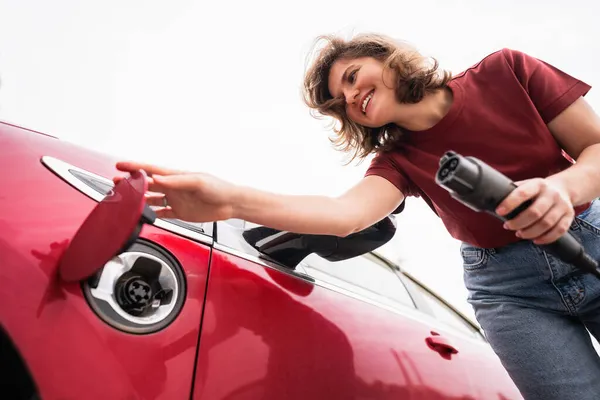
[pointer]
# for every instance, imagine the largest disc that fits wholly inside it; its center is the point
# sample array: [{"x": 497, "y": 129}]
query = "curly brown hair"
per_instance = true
[{"x": 416, "y": 76}]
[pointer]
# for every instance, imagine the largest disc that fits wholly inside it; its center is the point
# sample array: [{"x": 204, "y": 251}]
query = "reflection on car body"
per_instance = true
[{"x": 261, "y": 314}]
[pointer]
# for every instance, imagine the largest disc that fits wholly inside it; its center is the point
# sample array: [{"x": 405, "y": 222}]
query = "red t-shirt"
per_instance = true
[{"x": 499, "y": 114}]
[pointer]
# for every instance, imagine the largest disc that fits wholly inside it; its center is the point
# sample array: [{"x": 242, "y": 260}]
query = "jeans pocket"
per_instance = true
[
  {"x": 590, "y": 218},
  {"x": 589, "y": 227},
  {"x": 473, "y": 258}
]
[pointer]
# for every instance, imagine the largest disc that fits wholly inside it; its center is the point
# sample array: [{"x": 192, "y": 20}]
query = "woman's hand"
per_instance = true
[
  {"x": 194, "y": 197},
  {"x": 547, "y": 218}
]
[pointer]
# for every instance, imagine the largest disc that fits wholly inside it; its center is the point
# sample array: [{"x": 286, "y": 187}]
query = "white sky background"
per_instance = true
[{"x": 215, "y": 86}]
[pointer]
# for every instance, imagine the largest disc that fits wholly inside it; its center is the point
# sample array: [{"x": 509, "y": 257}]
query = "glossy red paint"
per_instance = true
[
  {"x": 262, "y": 333},
  {"x": 269, "y": 335},
  {"x": 70, "y": 352}
]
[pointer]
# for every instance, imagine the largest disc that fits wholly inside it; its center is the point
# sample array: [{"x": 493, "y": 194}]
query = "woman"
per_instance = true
[{"x": 520, "y": 115}]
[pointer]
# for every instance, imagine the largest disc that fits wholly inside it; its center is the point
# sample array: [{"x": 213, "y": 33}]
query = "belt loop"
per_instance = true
[{"x": 575, "y": 224}]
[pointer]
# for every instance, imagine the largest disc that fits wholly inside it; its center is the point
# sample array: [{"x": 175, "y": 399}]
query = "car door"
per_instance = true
[
  {"x": 270, "y": 332},
  {"x": 485, "y": 372},
  {"x": 439, "y": 372}
]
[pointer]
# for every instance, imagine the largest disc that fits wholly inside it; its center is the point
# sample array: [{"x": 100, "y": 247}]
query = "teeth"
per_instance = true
[{"x": 367, "y": 99}]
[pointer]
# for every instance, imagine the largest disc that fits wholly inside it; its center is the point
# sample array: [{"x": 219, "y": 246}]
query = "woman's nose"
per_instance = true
[{"x": 351, "y": 96}]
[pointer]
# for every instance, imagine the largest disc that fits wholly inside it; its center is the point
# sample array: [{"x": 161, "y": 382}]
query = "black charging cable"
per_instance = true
[{"x": 482, "y": 188}]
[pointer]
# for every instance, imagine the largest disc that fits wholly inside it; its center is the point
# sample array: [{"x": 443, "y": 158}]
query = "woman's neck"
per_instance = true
[{"x": 426, "y": 113}]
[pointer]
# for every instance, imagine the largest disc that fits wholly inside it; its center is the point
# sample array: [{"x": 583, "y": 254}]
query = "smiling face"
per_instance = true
[
  {"x": 367, "y": 89},
  {"x": 372, "y": 86}
]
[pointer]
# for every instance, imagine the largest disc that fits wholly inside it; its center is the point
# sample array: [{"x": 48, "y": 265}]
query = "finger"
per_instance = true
[
  {"x": 150, "y": 169},
  {"x": 556, "y": 232},
  {"x": 161, "y": 186},
  {"x": 526, "y": 191},
  {"x": 172, "y": 183},
  {"x": 543, "y": 225},
  {"x": 155, "y": 200},
  {"x": 118, "y": 179},
  {"x": 165, "y": 212},
  {"x": 176, "y": 182},
  {"x": 528, "y": 217}
]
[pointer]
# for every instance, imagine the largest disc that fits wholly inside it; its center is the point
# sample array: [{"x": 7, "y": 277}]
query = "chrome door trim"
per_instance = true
[
  {"x": 62, "y": 169},
  {"x": 298, "y": 272},
  {"x": 403, "y": 310},
  {"x": 406, "y": 275}
]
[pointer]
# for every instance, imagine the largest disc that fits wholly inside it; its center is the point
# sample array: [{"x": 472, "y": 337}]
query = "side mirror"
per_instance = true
[{"x": 290, "y": 248}]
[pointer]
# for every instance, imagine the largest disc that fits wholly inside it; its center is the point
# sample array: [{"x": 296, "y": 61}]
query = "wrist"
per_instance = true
[
  {"x": 578, "y": 182},
  {"x": 236, "y": 202},
  {"x": 561, "y": 182}
]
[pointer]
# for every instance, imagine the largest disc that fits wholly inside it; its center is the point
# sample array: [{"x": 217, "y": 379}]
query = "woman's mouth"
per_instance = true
[{"x": 366, "y": 101}]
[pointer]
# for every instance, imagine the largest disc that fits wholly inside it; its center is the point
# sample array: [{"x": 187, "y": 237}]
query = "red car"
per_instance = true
[{"x": 101, "y": 300}]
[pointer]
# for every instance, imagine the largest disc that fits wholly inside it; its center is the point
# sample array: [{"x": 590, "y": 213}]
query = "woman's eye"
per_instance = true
[{"x": 352, "y": 76}]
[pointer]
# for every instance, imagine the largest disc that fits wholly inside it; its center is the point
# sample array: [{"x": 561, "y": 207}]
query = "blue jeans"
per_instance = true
[{"x": 534, "y": 310}]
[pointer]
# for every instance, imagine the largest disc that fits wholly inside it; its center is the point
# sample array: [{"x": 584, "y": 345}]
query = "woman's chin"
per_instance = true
[{"x": 373, "y": 123}]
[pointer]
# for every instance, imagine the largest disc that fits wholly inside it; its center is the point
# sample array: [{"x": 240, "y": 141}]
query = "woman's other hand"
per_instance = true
[{"x": 547, "y": 218}]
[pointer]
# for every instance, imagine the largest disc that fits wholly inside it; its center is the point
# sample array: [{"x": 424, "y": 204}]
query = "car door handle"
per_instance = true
[{"x": 440, "y": 344}]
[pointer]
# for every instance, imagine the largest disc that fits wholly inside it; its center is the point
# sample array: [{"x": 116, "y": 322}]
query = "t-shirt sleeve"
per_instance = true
[
  {"x": 383, "y": 165},
  {"x": 550, "y": 89}
]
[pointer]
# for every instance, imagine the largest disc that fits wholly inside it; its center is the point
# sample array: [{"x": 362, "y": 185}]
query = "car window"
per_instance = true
[
  {"x": 363, "y": 275},
  {"x": 441, "y": 311}
]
